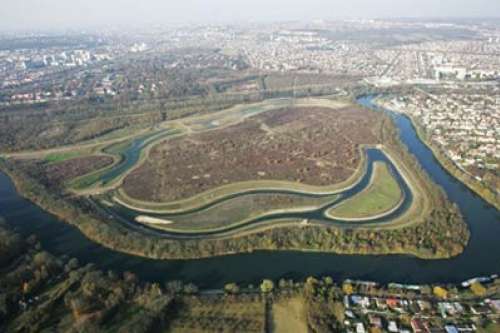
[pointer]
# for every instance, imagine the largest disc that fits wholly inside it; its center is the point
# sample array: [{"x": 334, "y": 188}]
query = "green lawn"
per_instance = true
[
  {"x": 118, "y": 148},
  {"x": 59, "y": 157},
  {"x": 380, "y": 196}
]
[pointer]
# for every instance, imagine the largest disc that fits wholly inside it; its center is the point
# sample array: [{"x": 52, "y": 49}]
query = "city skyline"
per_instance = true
[{"x": 28, "y": 15}]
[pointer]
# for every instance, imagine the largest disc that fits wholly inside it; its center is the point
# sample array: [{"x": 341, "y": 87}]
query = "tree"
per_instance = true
[
  {"x": 231, "y": 288},
  {"x": 267, "y": 286},
  {"x": 310, "y": 285},
  {"x": 347, "y": 288},
  {"x": 283, "y": 284},
  {"x": 174, "y": 287},
  {"x": 44, "y": 259},
  {"x": 440, "y": 292},
  {"x": 190, "y": 288},
  {"x": 71, "y": 265},
  {"x": 328, "y": 280},
  {"x": 338, "y": 311},
  {"x": 478, "y": 289}
]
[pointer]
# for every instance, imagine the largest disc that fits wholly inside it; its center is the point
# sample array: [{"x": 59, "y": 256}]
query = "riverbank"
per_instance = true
[
  {"x": 116, "y": 237},
  {"x": 267, "y": 304},
  {"x": 484, "y": 192}
]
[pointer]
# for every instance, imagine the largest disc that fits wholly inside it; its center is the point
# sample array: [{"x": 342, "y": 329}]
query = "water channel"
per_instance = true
[{"x": 128, "y": 216}]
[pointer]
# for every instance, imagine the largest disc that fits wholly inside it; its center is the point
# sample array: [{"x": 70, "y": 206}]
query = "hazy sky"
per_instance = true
[{"x": 53, "y": 14}]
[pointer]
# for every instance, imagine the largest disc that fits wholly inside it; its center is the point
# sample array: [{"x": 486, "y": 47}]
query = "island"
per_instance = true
[{"x": 308, "y": 174}]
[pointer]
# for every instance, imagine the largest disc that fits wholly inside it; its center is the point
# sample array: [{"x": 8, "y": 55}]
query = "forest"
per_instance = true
[
  {"x": 87, "y": 117},
  {"x": 43, "y": 292}
]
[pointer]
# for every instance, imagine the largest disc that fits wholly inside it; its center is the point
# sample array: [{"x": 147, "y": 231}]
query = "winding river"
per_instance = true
[{"x": 481, "y": 257}]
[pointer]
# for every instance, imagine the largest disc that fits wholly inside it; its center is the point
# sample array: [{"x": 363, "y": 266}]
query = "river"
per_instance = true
[{"x": 481, "y": 257}]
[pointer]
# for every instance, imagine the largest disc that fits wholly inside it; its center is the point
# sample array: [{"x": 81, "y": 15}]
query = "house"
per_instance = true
[
  {"x": 381, "y": 304},
  {"x": 349, "y": 314},
  {"x": 450, "y": 329},
  {"x": 375, "y": 321},
  {"x": 418, "y": 326},
  {"x": 480, "y": 309},
  {"x": 463, "y": 328},
  {"x": 495, "y": 305},
  {"x": 446, "y": 309},
  {"x": 392, "y": 327},
  {"x": 360, "y": 300},
  {"x": 392, "y": 303},
  {"x": 424, "y": 305},
  {"x": 458, "y": 308},
  {"x": 360, "y": 328},
  {"x": 346, "y": 302},
  {"x": 403, "y": 306}
]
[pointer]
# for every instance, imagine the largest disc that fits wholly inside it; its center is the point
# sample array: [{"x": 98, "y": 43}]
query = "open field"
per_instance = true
[
  {"x": 72, "y": 168},
  {"x": 60, "y": 157},
  {"x": 62, "y": 169},
  {"x": 382, "y": 195},
  {"x": 289, "y": 315},
  {"x": 314, "y": 145},
  {"x": 244, "y": 313}
]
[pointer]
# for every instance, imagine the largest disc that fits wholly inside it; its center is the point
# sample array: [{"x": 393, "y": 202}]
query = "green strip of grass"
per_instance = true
[
  {"x": 60, "y": 157},
  {"x": 379, "y": 197}
]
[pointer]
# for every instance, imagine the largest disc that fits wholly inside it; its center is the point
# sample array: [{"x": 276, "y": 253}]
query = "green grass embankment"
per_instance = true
[{"x": 381, "y": 196}]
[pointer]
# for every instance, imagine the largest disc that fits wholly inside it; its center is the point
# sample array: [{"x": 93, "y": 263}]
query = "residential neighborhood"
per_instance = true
[
  {"x": 417, "y": 309},
  {"x": 465, "y": 125}
]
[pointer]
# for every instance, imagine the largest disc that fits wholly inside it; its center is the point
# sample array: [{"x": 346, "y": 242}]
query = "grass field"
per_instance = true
[
  {"x": 57, "y": 157},
  {"x": 383, "y": 194},
  {"x": 216, "y": 314},
  {"x": 289, "y": 315}
]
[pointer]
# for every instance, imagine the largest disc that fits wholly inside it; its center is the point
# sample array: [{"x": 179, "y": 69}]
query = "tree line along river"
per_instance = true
[{"x": 481, "y": 256}]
